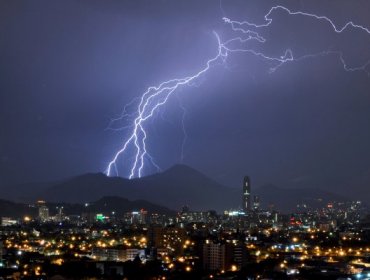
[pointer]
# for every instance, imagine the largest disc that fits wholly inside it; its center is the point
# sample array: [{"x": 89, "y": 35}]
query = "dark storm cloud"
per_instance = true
[{"x": 67, "y": 67}]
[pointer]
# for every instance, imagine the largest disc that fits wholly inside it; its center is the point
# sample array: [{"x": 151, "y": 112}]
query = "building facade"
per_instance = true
[{"x": 246, "y": 195}]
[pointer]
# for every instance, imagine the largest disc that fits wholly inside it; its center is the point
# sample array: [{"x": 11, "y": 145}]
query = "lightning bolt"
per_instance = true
[
  {"x": 151, "y": 100},
  {"x": 268, "y": 21},
  {"x": 247, "y": 27},
  {"x": 156, "y": 96}
]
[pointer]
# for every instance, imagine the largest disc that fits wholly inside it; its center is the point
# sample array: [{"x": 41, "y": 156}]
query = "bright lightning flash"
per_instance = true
[{"x": 155, "y": 97}]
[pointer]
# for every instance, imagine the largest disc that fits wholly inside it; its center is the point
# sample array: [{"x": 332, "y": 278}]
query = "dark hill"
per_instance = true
[
  {"x": 173, "y": 188},
  {"x": 15, "y": 210},
  {"x": 105, "y": 205},
  {"x": 121, "y": 205}
]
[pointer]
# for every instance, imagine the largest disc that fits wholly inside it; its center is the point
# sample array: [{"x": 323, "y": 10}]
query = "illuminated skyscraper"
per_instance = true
[
  {"x": 43, "y": 213},
  {"x": 43, "y": 210},
  {"x": 256, "y": 203},
  {"x": 246, "y": 195}
]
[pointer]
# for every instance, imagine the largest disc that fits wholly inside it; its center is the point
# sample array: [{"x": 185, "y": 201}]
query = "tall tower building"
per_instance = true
[
  {"x": 43, "y": 210},
  {"x": 43, "y": 213},
  {"x": 246, "y": 195},
  {"x": 256, "y": 203}
]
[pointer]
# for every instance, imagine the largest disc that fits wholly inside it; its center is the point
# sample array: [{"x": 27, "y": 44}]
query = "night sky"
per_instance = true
[{"x": 68, "y": 67}]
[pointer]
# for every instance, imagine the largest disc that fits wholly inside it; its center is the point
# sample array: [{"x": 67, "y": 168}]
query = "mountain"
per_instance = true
[
  {"x": 15, "y": 210},
  {"x": 120, "y": 205},
  {"x": 182, "y": 185},
  {"x": 85, "y": 188},
  {"x": 173, "y": 188},
  {"x": 105, "y": 205}
]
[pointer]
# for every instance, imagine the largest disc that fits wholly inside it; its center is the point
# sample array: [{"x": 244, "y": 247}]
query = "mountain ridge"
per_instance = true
[
  {"x": 105, "y": 205},
  {"x": 173, "y": 188}
]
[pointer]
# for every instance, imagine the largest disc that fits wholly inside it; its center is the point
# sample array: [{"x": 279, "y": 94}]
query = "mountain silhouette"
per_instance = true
[
  {"x": 106, "y": 205},
  {"x": 178, "y": 186}
]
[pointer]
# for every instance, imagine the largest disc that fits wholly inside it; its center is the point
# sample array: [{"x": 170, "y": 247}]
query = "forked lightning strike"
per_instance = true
[
  {"x": 155, "y": 97},
  {"x": 150, "y": 101}
]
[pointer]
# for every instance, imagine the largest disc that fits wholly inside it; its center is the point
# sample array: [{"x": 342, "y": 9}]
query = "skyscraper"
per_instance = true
[
  {"x": 246, "y": 195},
  {"x": 43, "y": 213},
  {"x": 256, "y": 203},
  {"x": 43, "y": 210},
  {"x": 213, "y": 255}
]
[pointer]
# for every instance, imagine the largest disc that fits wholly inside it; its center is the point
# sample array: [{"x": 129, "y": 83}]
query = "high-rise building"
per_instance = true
[
  {"x": 235, "y": 255},
  {"x": 59, "y": 215},
  {"x": 138, "y": 217},
  {"x": 43, "y": 210},
  {"x": 246, "y": 195},
  {"x": 256, "y": 202},
  {"x": 213, "y": 256},
  {"x": 43, "y": 213},
  {"x": 171, "y": 238},
  {"x": 227, "y": 255}
]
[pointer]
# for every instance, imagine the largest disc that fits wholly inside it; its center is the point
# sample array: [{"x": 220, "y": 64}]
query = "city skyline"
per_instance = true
[{"x": 111, "y": 238}]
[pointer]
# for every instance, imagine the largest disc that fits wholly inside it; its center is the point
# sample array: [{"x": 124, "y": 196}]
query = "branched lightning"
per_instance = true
[
  {"x": 246, "y": 26},
  {"x": 268, "y": 21},
  {"x": 156, "y": 96},
  {"x": 152, "y": 99}
]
